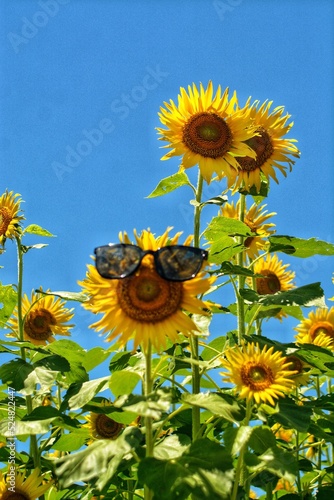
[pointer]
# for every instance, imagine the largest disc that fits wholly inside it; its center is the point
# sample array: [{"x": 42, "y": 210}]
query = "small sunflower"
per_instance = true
[
  {"x": 272, "y": 150},
  {"x": 256, "y": 218},
  {"x": 282, "y": 433},
  {"x": 257, "y": 373},
  {"x": 207, "y": 131},
  {"x": 275, "y": 277},
  {"x": 317, "y": 328},
  {"x": 101, "y": 426},
  {"x": 313, "y": 449},
  {"x": 9, "y": 216},
  {"x": 299, "y": 369},
  {"x": 23, "y": 488},
  {"x": 44, "y": 317},
  {"x": 145, "y": 307}
]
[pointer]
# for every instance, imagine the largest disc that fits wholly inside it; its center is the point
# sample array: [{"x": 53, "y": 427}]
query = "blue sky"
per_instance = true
[{"x": 81, "y": 84}]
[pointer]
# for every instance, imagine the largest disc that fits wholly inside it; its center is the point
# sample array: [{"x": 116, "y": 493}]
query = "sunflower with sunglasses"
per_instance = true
[{"x": 145, "y": 290}]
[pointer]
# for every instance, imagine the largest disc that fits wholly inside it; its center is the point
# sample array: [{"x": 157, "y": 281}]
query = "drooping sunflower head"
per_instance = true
[
  {"x": 275, "y": 276},
  {"x": 207, "y": 130},
  {"x": 272, "y": 150},
  {"x": 299, "y": 369},
  {"x": 259, "y": 374},
  {"x": 44, "y": 317},
  {"x": 23, "y": 487},
  {"x": 144, "y": 307},
  {"x": 101, "y": 426},
  {"x": 256, "y": 218},
  {"x": 10, "y": 217},
  {"x": 317, "y": 328}
]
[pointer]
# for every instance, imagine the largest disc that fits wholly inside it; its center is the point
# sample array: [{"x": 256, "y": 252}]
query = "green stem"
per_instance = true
[
  {"x": 240, "y": 468},
  {"x": 33, "y": 439},
  {"x": 148, "y": 420},
  {"x": 241, "y": 279},
  {"x": 196, "y": 377}
]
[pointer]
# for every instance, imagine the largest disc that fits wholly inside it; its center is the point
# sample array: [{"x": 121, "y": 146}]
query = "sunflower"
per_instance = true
[
  {"x": 256, "y": 218},
  {"x": 207, "y": 131},
  {"x": 44, "y": 317},
  {"x": 22, "y": 488},
  {"x": 145, "y": 307},
  {"x": 299, "y": 370},
  {"x": 317, "y": 328},
  {"x": 272, "y": 151},
  {"x": 275, "y": 277},
  {"x": 257, "y": 373},
  {"x": 282, "y": 433},
  {"x": 101, "y": 426},
  {"x": 9, "y": 216}
]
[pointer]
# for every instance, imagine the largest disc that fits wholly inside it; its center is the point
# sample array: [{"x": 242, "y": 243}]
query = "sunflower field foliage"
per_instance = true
[{"x": 186, "y": 407}]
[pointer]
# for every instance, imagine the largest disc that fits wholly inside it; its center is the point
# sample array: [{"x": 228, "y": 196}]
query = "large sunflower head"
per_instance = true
[
  {"x": 9, "y": 216},
  {"x": 259, "y": 374},
  {"x": 101, "y": 426},
  {"x": 271, "y": 149},
  {"x": 317, "y": 328},
  {"x": 256, "y": 218},
  {"x": 275, "y": 276},
  {"x": 207, "y": 130},
  {"x": 145, "y": 307},
  {"x": 21, "y": 487},
  {"x": 44, "y": 317}
]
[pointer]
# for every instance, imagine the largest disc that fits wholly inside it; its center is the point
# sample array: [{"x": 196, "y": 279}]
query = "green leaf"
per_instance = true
[
  {"x": 98, "y": 462},
  {"x": 172, "y": 447},
  {"x": 225, "y": 225},
  {"x": 212, "y": 349},
  {"x": 306, "y": 296},
  {"x": 261, "y": 439},
  {"x": 216, "y": 200},
  {"x": 87, "y": 391},
  {"x": 292, "y": 415},
  {"x": 94, "y": 357},
  {"x": 26, "y": 428},
  {"x": 146, "y": 406},
  {"x": 229, "y": 268},
  {"x": 119, "y": 361},
  {"x": 299, "y": 247},
  {"x": 38, "y": 230},
  {"x": 68, "y": 349},
  {"x": 169, "y": 184},
  {"x": 8, "y": 299},
  {"x": 278, "y": 462},
  {"x": 123, "y": 382},
  {"x": 70, "y": 442},
  {"x": 222, "y": 405},
  {"x": 75, "y": 296},
  {"x": 15, "y": 372}
]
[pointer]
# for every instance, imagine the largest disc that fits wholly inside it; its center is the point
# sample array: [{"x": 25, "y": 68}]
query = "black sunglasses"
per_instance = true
[{"x": 173, "y": 263}]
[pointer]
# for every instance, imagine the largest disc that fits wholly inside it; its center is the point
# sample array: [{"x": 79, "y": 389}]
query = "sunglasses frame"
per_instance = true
[{"x": 159, "y": 268}]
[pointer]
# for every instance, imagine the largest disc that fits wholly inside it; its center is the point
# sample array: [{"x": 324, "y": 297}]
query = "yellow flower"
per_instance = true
[
  {"x": 275, "y": 278},
  {"x": 20, "y": 487},
  {"x": 282, "y": 433},
  {"x": 272, "y": 151},
  {"x": 9, "y": 216},
  {"x": 313, "y": 449},
  {"x": 298, "y": 369},
  {"x": 285, "y": 485},
  {"x": 317, "y": 328},
  {"x": 101, "y": 426},
  {"x": 44, "y": 317},
  {"x": 207, "y": 131},
  {"x": 145, "y": 307},
  {"x": 256, "y": 219},
  {"x": 257, "y": 373}
]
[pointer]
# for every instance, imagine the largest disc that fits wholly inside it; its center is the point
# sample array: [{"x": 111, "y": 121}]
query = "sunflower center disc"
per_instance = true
[
  {"x": 268, "y": 285},
  {"x": 256, "y": 376},
  {"x": 323, "y": 327},
  {"x": 8, "y": 495},
  {"x": 207, "y": 134},
  {"x": 148, "y": 297},
  {"x": 37, "y": 324},
  {"x": 5, "y": 218},
  {"x": 107, "y": 427},
  {"x": 263, "y": 148}
]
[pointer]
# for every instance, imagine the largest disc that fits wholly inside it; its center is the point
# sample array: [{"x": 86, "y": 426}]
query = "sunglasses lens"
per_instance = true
[
  {"x": 180, "y": 263},
  {"x": 117, "y": 261}
]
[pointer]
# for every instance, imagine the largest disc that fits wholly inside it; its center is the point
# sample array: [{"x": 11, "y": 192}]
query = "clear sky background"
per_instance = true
[{"x": 81, "y": 85}]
